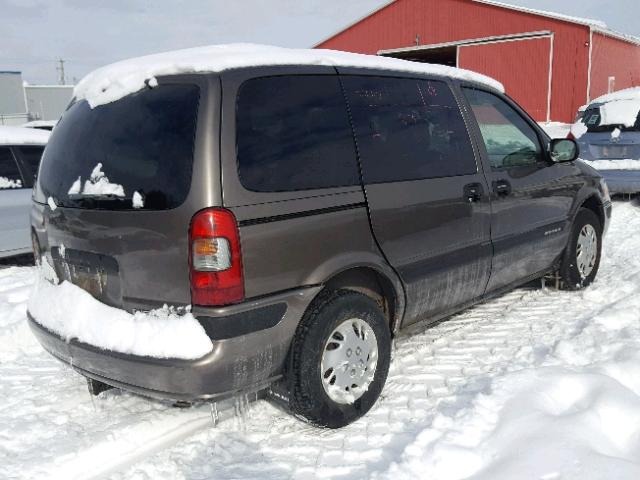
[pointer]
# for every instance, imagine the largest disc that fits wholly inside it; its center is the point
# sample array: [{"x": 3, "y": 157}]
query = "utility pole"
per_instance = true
[{"x": 60, "y": 69}]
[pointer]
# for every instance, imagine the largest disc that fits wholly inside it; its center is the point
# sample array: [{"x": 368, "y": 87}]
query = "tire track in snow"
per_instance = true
[
  {"x": 434, "y": 369},
  {"x": 437, "y": 369}
]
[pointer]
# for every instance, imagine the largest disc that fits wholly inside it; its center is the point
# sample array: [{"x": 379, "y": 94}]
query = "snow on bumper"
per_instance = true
[
  {"x": 75, "y": 328},
  {"x": 73, "y": 313}
]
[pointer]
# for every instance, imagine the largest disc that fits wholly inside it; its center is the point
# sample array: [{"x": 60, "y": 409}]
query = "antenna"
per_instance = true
[{"x": 60, "y": 70}]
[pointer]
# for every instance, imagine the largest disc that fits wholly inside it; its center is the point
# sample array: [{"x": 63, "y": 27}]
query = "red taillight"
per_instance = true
[{"x": 215, "y": 261}]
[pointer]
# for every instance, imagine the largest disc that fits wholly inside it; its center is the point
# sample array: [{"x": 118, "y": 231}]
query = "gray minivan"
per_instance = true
[{"x": 303, "y": 211}]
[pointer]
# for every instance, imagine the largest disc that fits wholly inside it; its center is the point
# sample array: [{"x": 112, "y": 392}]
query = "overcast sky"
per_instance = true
[{"x": 91, "y": 33}]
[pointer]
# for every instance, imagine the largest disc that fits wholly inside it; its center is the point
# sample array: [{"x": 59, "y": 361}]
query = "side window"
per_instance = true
[
  {"x": 30, "y": 156},
  {"x": 408, "y": 129},
  {"x": 510, "y": 140},
  {"x": 293, "y": 133},
  {"x": 9, "y": 172}
]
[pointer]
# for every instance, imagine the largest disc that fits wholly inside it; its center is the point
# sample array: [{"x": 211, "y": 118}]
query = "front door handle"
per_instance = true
[
  {"x": 473, "y": 192},
  {"x": 502, "y": 188}
]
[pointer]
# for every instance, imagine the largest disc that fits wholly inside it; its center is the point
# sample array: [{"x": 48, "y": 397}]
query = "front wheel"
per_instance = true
[
  {"x": 581, "y": 258},
  {"x": 339, "y": 359}
]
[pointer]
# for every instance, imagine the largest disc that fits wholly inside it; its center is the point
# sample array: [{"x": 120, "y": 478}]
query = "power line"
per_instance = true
[{"x": 60, "y": 69}]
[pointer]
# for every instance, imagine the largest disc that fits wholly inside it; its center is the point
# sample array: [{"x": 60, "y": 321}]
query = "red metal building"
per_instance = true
[{"x": 550, "y": 63}]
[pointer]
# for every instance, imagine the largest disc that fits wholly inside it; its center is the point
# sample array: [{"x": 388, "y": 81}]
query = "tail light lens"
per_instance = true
[{"x": 215, "y": 260}]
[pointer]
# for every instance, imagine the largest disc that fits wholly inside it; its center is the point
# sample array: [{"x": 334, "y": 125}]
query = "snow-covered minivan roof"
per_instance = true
[
  {"x": 632, "y": 93},
  {"x": 618, "y": 108},
  {"x": 23, "y": 136},
  {"x": 112, "y": 82}
]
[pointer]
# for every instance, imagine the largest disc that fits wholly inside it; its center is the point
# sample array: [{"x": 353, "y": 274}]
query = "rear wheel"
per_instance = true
[
  {"x": 339, "y": 359},
  {"x": 581, "y": 258}
]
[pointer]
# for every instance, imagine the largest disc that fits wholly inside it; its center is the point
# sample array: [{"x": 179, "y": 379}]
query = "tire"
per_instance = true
[
  {"x": 572, "y": 271},
  {"x": 311, "y": 394}
]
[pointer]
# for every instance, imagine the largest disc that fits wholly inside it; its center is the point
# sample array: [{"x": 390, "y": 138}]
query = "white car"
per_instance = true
[{"x": 20, "y": 153}]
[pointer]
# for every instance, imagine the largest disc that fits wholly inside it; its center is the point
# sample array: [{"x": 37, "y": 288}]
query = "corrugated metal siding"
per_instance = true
[
  {"x": 613, "y": 58},
  {"x": 11, "y": 93},
  {"x": 48, "y": 102},
  {"x": 528, "y": 83},
  {"x": 440, "y": 21}
]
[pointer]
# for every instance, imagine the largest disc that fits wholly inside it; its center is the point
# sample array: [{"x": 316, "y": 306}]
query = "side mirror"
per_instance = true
[{"x": 563, "y": 150}]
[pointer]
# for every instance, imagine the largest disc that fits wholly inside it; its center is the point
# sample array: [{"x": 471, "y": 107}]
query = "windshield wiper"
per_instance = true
[{"x": 97, "y": 196}]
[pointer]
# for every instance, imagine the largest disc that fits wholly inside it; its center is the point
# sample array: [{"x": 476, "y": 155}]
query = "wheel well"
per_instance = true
[
  {"x": 370, "y": 282},
  {"x": 593, "y": 203}
]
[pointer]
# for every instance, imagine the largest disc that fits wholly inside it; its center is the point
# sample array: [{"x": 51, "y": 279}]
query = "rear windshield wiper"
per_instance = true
[
  {"x": 99, "y": 200},
  {"x": 97, "y": 196}
]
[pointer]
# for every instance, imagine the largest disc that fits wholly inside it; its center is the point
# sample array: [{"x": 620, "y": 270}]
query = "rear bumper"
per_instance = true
[
  {"x": 622, "y": 181},
  {"x": 248, "y": 361}
]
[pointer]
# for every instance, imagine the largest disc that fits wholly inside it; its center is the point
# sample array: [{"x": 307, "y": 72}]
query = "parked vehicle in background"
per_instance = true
[
  {"x": 20, "y": 153},
  {"x": 41, "y": 124},
  {"x": 608, "y": 134},
  {"x": 297, "y": 209}
]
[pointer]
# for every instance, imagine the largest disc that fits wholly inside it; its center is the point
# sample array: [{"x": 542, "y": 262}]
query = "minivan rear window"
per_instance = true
[
  {"x": 133, "y": 153},
  {"x": 293, "y": 133},
  {"x": 593, "y": 119}
]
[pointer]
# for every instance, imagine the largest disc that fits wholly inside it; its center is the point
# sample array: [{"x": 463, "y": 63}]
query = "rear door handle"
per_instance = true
[
  {"x": 473, "y": 192},
  {"x": 502, "y": 188}
]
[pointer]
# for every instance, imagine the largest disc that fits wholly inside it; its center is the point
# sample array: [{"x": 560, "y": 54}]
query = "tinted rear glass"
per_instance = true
[
  {"x": 9, "y": 173},
  {"x": 408, "y": 129},
  {"x": 293, "y": 133},
  {"x": 30, "y": 156},
  {"x": 142, "y": 143},
  {"x": 593, "y": 120}
]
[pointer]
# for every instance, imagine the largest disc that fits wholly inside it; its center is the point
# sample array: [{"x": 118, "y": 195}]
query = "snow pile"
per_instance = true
[
  {"x": 98, "y": 184},
  {"x": 23, "y": 136},
  {"x": 578, "y": 129},
  {"x": 622, "y": 164},
  {"x": 16, "y": 339},
  {"x": 565, "y": 409},
  {"x": 137, "y": 200},
  {"x": 6, "y": 183},
  {"x": 76, "y": 187},
  {"x": 112, "y": 82},
  {"x": 616, "y": 134},
  {"x": 620, "y": 112},
  {"x": 73, "y": 313},
  {"x": 632, "y": 93},
  {"x": 549, "y": 423}
]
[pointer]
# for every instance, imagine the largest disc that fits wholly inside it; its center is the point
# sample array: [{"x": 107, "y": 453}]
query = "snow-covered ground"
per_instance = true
[{"x": 537, "y": 384}]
